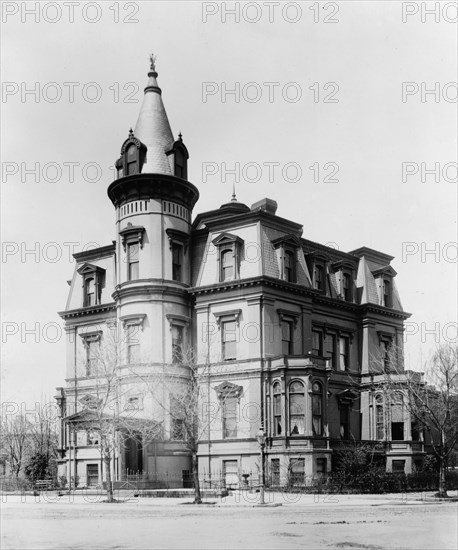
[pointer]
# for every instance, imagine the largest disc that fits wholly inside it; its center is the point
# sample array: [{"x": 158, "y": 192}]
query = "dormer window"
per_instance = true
[
  {"x": 133, "y": 156},
  {"x": 227, "y": 264},
  {"x": 288, "y": 266},
  {"x": 93, "y": 282},
  {"x": 384, "y": 281},
  {"x": 318, "y": 277},
  {"x": 89, "y": 292},
  {"x": 344, "y": 272},
  {"x": 387, "y": 301},
  {"x": 346, "y": 287},
  {"x": 287, "y": 248},
  {"x": 132, "y": 164},
  {"x": 179, "y": 158},
  {"x": 229, "y": 249}
]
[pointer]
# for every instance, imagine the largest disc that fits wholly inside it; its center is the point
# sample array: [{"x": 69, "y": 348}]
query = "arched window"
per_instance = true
[
  {"x": 227, "y": 265},
  {"x": 131, "y": 160},
  {"x": 277, "y": 425},
  {"x": 89, "y": 292},
  {"x": 317, "y": 409},
  {"x": 379, "y": 418},
  {"x": 296, "y": 408}
]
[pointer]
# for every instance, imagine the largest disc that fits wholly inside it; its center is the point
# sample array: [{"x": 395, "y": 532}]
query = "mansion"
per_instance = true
[{"x": 287, "y": 334}]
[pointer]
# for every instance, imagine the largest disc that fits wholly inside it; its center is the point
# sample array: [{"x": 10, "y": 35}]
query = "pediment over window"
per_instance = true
[
  {"x": 132, "y": 233},
  {"x": 175, "y": 318},
  {"x": 179, "y": 237},
  {"x": 227, "y": 238},
  {"x": 287, "y": 315},
  {"x": 317, "y": 255},
  {"x": 346, "y": 397},
  {"x": 287, "y": 240},
  {"x": 385, "y": 336},
  {"x": 228, "y": 389},
  {"x": 89, "y": 269},
  {"x": 133, "y": 320},
  {"x": 385, "y": 270},
  {"x": 232, "y": 315},
  {"x": 90, "y": 402},
  {"x": 344, "y": 265}
]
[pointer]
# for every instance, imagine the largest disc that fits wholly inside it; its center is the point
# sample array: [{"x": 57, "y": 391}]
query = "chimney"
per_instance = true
[{"x": 267, "y": 205}]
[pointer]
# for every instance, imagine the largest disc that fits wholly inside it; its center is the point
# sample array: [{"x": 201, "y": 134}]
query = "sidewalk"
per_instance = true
[{"x": 236, "y": 499}]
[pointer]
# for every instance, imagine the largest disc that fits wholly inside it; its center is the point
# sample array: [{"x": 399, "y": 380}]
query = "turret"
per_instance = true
[{"x": 153, "y": 201}]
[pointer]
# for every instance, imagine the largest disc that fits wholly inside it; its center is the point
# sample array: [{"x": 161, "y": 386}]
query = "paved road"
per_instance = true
[{"x": 347, "y": 522}]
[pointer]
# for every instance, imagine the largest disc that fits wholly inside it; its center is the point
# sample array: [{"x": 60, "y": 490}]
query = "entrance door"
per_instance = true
[
  {"x": 231, "y": 474},
  {"x": 92, "y": 475}
]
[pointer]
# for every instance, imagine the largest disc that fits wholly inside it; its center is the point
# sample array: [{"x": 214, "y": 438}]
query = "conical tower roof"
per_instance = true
[{"x": 153, "y": 128}]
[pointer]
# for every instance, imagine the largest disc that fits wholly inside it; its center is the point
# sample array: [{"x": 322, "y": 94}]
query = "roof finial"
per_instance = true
[
  {"x": 152, "y": 59},
  {"x": 131, "y": 132},
  {"x": 180, "y": 136},
  {"x": 234, "y": 198}
]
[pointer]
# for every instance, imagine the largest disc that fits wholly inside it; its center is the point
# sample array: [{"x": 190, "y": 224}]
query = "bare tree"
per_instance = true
[
  {"x": 15, "y": 440},
  {"x": 431, "y": 398},
  {"x": 180, "y": 389},
  {"x": 104, "y": 410}
]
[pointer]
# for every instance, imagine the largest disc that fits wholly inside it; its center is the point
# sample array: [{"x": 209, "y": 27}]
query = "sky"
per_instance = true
[{"x": 345, "y": 113}]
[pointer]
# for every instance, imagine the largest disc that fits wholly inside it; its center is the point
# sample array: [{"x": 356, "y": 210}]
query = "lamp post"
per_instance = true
[{"x": 261, "y": 437}]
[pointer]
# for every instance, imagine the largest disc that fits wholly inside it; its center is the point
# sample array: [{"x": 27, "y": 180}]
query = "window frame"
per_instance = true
[
  {"x": 132, "y": 235},
  {"x": 177, "y": 267},
  {"x": 344, "y": 352},
  {"x": 178, "y": 240},
  {"x": 177, "y": 348},
  {"x": 398, "y": 427},
  {"x": 229, "y": 417},
  {"x": 91, "y": 341},
  {"x": 319, "y": 283},
  {"x": 289, "y": 325},
  {"x": 386, "y": 343},
  {"x": 277, "y": 409},
  {"x": 227, "y": 265},
  {"x": 133, "y": 265},
  {"x": 123, "y": 163},
  {"x": 344, "y": 421},
  {"x": 287, "y": 246},
  {"x": 379, "y": 418},
  {"x": 317, "y": 398},
  {"x": 302, "y": 415},
  {"x": 228, "y": 243},
  {"x": 228, "y": 344},
  {"x": 129, "y": 322},
  {"x": 97, "y": 274},
  {"x": 318, "y": 334}
]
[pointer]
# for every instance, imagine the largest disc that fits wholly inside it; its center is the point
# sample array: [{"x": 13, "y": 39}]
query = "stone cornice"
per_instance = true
[
  {"x": 153, "y": 186},
  {"x": 95, "y": 253},
  {"x": 146, "y": 287},
  {"x": 83, "y": 311}
]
